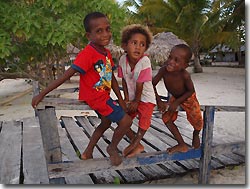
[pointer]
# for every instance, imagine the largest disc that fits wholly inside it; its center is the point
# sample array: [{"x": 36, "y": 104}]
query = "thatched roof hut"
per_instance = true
[
  {"x": 115, "y": 50},
  {"x": 158, "y": 51},
  {"x": 161, "y": 46}
]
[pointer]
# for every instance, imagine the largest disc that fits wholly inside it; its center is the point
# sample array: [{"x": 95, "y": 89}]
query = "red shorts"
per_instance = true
[
  {"x": 193, "y": 111},
  {"x": 144, "y": 112}
]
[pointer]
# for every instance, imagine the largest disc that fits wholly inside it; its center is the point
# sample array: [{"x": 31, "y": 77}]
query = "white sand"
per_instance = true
[{"x": 215, "y": 86}]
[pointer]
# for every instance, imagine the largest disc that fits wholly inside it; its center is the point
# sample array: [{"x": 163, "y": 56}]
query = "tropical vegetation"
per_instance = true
[
  {"x": 35, "y": 34},
  {"x": 202, "y": 24}
]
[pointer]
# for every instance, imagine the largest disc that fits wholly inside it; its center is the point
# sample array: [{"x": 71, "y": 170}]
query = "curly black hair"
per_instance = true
[{"x": 132, "y": 29}]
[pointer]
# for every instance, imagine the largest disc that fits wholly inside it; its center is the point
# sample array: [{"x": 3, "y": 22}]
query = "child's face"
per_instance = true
[
  {"x": 176, "y": 60},
  {"x": 100, "y": 32},
  {"x": 136, "y": 46}
]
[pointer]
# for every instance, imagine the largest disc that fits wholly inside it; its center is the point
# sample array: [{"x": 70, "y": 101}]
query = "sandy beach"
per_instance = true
[{"x": 215, "y": 86}]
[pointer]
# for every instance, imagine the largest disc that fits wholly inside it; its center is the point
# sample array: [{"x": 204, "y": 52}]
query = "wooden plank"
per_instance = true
[
  {"x": 75, "y": 132},
  {"x": 106, "y": 176},
  {"x": 169, "y": 141},
  {"x": 217, "y": 109},
  {"x": 172, "y": 167},
  {"x": 76, "y": 135},
  {"x": 228, "y": 148},
  {"x": 99, "y": 164},
  {"x": 130, "y": 175},
  {"x": 146, "y": 170},
  {"x": 63, "y": 104},
  {"x": 50, "y": 137},
  {"x": 184, "y": 129},
  {"x": 61, "y": 91},
  {"x": 151, "y": 148},
  {"x": 34, "y": 161},
  {"x": 36, "y": 91},
  {"x": 102, "y": 146},
  {"x": 240, "y": 159},
  {"x": 225, "y": 160},
  {"x": 190, "y": 164},
  {"x": 10, "y": 152},
  {"x": 79, "y": 179},
  {"x": 69, "y": 154},
  {"x": 226, "y": 108}
]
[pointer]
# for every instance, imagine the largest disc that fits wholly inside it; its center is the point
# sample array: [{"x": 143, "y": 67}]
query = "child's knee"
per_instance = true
[{"x": 126, "y": 121}]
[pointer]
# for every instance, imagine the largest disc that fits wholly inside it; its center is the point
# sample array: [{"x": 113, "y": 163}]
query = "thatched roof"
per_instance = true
[
  {"x": 71, "y": 49},
  {"x": 115, "y": 50},
  {"x": 158, "y": 51},
  {"x": 161, "y": 46}
]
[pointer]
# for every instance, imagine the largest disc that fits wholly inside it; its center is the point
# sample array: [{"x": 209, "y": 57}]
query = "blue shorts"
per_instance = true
[{"x": 117, "y": 114}]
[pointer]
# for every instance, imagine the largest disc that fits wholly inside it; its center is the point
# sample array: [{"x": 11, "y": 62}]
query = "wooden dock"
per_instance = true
[
  {"x": 23, "y": 159},
  {"x": 45, "y": 150}
]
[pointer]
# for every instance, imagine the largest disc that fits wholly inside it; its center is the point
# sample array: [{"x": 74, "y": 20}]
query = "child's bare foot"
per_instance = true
[
  {"x": 196, "y": 140},
  {"x": 115, "y": 158},
  {"x": 178, "y": 148},
  {"x": 136, "y": 151},
  {"x": 85, "y": 156},
  {"x": 127, "y": 150}
]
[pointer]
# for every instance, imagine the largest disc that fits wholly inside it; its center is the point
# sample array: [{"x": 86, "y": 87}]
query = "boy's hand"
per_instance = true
[
  {"x": 173, "y": 106},
  {"x": 161, "y": 105},
  {"x": 36, "y": 99},
  {"x": 122, "y": 103},
  {"x": 133, "y": 106}
]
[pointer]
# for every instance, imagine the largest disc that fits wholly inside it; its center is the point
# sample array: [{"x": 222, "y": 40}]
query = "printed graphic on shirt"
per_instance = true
[{"x": 105, "y": 73}]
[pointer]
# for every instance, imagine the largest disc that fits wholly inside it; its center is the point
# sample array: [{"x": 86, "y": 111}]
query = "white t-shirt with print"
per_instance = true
[{"x": 141, "y": 73}]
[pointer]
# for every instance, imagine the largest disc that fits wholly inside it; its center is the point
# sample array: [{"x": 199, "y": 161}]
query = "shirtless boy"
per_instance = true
[{"x": 178, "y": 83}]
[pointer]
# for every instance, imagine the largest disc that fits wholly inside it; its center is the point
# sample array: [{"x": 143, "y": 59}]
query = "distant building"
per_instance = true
[{"x": 222, "y": 53}]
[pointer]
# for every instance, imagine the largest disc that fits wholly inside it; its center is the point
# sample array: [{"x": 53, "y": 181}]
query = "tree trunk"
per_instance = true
[{"x": 197, "y": 65}]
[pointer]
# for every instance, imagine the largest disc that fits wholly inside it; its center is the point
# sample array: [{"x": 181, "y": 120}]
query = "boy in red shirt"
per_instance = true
[{"x": 95, "y": 65}]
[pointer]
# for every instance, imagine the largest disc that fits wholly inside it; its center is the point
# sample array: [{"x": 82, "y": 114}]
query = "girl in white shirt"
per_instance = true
[{"x": 136, "y": 73}]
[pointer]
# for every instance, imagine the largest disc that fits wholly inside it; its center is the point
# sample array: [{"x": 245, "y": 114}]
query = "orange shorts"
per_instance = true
[
  {"x": 193, "y": 111},
  {"x": 144, "y": 112}
]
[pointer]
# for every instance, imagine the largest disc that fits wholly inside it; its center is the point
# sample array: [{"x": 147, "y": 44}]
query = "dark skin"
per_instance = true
[
  {"x": 135, "y": 47},
  {"x": 177, "y": 82},
  {"x": 100, "y": 36}
]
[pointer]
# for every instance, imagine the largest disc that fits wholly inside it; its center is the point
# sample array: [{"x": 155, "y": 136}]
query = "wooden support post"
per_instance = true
[
  {"x": 206, "y": 146},
  {"x": 36, "y": 91},
  {"x": 50, "y": 136}
]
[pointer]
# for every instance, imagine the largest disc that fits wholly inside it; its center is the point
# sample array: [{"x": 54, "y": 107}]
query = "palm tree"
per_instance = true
[{"x": 202, "y": 24}]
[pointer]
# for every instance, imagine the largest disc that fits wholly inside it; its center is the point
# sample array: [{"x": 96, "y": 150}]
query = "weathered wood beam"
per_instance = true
[
  {"x": 50, "y": 136},
  {"x": 206, "y": 146},
  {"x": 75, "y": 104},
  {"x": 226, "y": 108},
  {"x": 63, "y": 104},
  {"x": 99, "y": 164}
]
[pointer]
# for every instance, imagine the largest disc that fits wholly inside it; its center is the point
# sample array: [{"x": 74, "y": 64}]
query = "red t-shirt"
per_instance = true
[{"x": 95, "y": 74}]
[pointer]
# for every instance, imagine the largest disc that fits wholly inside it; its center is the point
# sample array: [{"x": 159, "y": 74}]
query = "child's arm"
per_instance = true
[
  {"x": 115, "y": 87},
  {"x": 68, "y": 73},
  {"x": 125, "y": 90},
  {"x": 161, "y": 105},
  {"x": 134, "y": 104}
]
